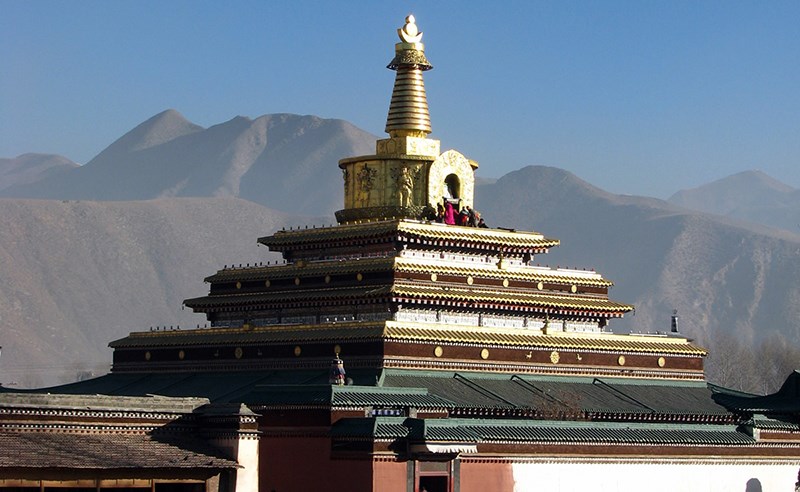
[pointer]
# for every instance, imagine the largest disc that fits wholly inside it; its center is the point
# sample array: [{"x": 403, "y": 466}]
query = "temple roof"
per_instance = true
[
  {"x": 410, "y": 265},
  {"x": 539, "y": 431},
  {"x": 409, "y": 231},
  {"x": 102, "y": 451},
  {"x": 488, "y": 393},
  {"x": 410, "y": 292},
  {"x": 411, "y": 331}
]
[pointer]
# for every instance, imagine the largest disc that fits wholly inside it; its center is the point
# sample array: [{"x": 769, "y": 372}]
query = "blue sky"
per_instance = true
[{"x": 638, "y": 97}]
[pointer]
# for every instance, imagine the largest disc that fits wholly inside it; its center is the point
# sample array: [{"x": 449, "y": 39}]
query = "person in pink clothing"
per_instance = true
[{"x": 449, "y": 213}]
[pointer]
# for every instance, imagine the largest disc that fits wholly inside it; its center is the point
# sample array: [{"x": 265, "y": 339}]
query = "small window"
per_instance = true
[{"x": 452, "y": 186}]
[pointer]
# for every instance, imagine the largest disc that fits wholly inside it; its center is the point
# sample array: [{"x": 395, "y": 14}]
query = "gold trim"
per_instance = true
[
  {"x": 485, "y": 354},
  {"x": 438, "y": 351}
]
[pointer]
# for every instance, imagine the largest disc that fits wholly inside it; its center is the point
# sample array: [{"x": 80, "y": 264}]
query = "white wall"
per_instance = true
[{"x": 640, "y": 476}]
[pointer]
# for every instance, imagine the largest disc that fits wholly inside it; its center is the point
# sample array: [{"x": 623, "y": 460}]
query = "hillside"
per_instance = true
[
  {"x": 721, "y": 275},
  {"x": 750, "y": 195},
  {"x": 169, "y": 156},
  {"x": 30, "y": 168},
  {"x": 77, "y": 275}
]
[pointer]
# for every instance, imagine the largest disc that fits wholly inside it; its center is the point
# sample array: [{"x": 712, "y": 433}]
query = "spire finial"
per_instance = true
[
  {"x": 408, "y": 111},
  {"x": 409, "y": 33}
]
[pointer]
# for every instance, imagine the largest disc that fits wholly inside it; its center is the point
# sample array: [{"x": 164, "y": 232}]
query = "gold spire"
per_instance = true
[{"x": 408, "y": 110}]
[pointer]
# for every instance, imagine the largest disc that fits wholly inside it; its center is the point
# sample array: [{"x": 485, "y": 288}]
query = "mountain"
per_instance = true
[
  {"x": 30, "y": 168},
  {"x": 749, "y": 195},
  {"x": 78, "y": 274},
  {"x": 272, "y": 160},
  {"x": 720, "y": 274}
]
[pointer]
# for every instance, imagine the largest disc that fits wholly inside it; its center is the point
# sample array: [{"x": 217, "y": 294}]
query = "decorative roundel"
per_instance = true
[
  {"x": 238, "y": 352},
  {"x": 438, "y": 351},
  {"x": 540, "y": 286},
  {"x": 485, "y": 354},
  {"x": 434, "y": 277},
  {"x": 573, "y": 289},
  {"x": 470, "y": 280},
  {"x": 505, "y": 282},
  {"x": 621, "y": 360},
  {"x": 555, "y": 357},
  {"x": 147, "y": 355},
  {"x": 181, "y": 354},
  {"x": 359, "y": 277},
  {"x": 662, "y": 362},
  {"x": 267, "y": 283},
  {"x": 327, "y": 279},
  {"x": 297, "y": 281},
  {"x": 337, "y": 349},
  {"x": 297, "y": 351},
  {"x": 238, "y": 285}
]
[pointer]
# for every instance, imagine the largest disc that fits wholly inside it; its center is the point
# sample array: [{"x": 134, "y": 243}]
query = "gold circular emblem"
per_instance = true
[
  {"x": 438, "y": 351},
  {"x": 573, "y": 289},
  {"x": 327, "y": 279},
  {"x": 555, "y": 357},
  {"x": 266, "y": 283},
  {"x": 621, "y": 360},
  {"x": 297, "y": 281},
  {"x": 337, "y": 349},
  {"x": 238, "y": 285},
  {"x": 485, "y": 354},
  {"x": 359, "y": 277},
  {"x": 540, "y": 286},
  {"x": 147, "y": 355},
  {"x": 238, "y": 352},
  {"x": 434, "y": 277},
  {"x": 505, "y": 282},
  {"x": 181, "y": 354},
  {"x": 470, "y": 280},
  {"x": 297, "y": 351},
  {"x": 662, "y": 362}
]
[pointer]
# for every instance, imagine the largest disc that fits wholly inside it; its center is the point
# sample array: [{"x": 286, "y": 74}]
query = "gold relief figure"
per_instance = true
[
  {"x": 365, "y": 178},
  {"x": 405, "y": 187}
]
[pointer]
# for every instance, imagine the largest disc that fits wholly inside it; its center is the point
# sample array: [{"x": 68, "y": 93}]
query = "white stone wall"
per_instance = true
[{"x": 675, "y": 476}]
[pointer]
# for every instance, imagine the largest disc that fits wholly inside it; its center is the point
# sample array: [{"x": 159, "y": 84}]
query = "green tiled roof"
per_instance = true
[
  {"x": 539, "y": 431},
  {"x": 344, "y": 396}
]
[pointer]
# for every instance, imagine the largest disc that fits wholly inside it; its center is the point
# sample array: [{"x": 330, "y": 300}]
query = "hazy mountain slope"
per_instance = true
[
  {"x": 76, "y": 275},
  {"x": 268, "y": 160},
  {"x": 749, "y": 195},
  {"x": 719, "y": 274},
  {"x": 30, "y": 168}
]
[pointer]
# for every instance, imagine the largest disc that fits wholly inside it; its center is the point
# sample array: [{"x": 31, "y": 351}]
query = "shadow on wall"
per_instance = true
[{"x": 753, "y": 485}]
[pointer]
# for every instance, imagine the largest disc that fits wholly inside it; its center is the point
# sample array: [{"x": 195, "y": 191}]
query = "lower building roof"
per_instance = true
[{"x": 107, "y": 451}]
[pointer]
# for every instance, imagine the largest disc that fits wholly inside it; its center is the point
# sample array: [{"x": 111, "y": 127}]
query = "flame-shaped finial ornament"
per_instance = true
[{"x": 409, "y": 33}]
